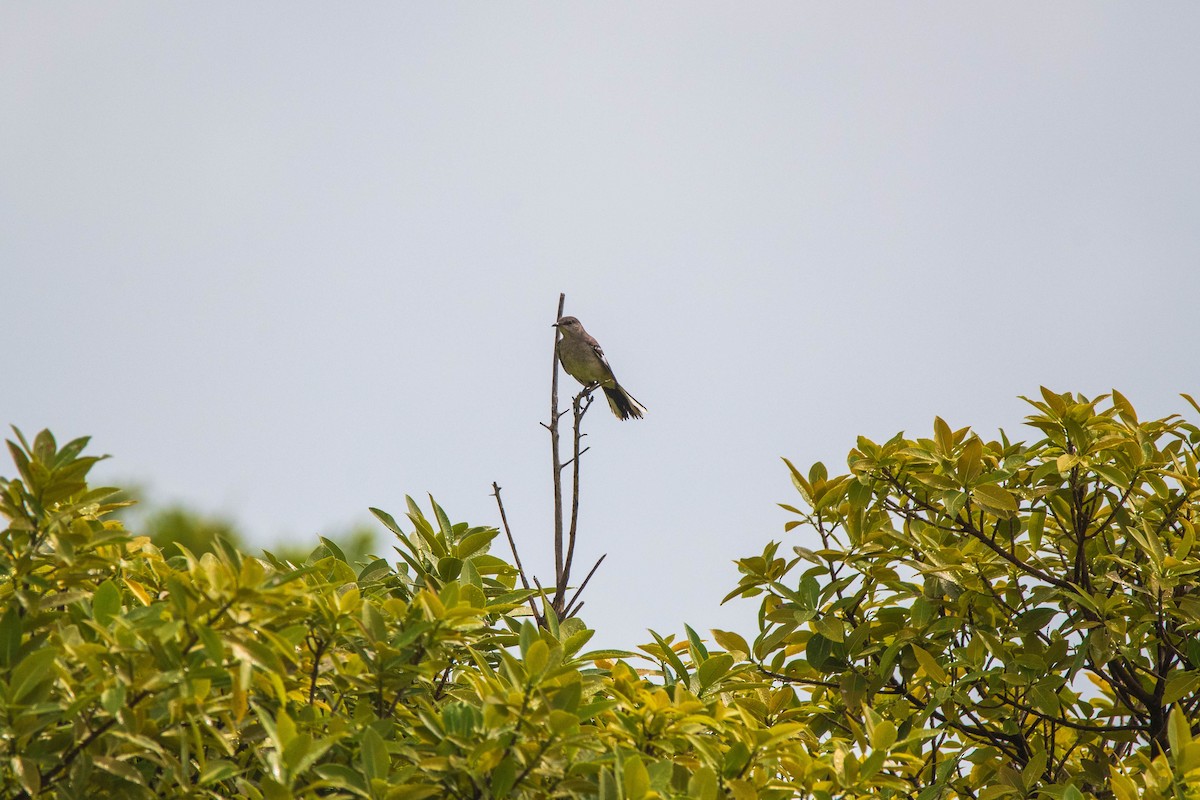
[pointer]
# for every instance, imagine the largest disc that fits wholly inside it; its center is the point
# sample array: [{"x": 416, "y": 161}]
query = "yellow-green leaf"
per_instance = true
[
  {"x": 703, "y": 784},
  {"x": 636, "y": 780},
  {"x": 928, "y": 663},
  {"x": 1179, "y": 685},
  {"x": 733, "y": 642},
  {"x": 883, "y": 735},
  {"x": 995, "y": 498}
]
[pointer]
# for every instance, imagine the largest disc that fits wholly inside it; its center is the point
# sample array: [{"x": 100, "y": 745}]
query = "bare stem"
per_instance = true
[
  {"x": 508, "y": 532},
  {"x": 572, "y": 608},
  {"x": 557, "y": 465},
  {"x": 512, "y": 543},
  {"x": 580, "y": 405}
]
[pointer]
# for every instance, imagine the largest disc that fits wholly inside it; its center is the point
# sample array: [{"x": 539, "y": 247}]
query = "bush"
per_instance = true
[
  {"x": 981, "y": 619},
  {"x": 129, "y": 674},
  {"x": 994, "y": 618}
]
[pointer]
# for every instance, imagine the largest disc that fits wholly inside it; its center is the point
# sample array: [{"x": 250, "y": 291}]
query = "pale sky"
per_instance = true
[{"x": 285, "y": 261}]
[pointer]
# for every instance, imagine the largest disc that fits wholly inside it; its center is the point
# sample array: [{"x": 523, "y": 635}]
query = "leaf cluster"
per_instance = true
[
  {"x": 989, "y": 618},
  {"x": 128, "y": 672}
]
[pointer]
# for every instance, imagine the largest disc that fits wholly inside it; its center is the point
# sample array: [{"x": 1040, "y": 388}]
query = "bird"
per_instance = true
[{"x": 583, "y": 359}]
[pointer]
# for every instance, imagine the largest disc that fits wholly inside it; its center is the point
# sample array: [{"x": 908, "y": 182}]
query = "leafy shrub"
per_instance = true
[
  {"x": 995, "y": 618},
  {"x": 982, "y": 619},
  {"x": 126, "y": 673}
]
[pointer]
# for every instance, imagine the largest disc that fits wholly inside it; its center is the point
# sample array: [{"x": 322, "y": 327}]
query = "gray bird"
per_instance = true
[{"x": 582, "y": 358}]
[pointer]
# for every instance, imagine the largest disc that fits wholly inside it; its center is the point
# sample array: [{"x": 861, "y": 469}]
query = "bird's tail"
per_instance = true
[{"x": 623, "y": 404}]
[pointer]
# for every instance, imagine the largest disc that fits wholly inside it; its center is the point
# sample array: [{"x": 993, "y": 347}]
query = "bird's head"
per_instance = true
[{"x": 568, "y": 324}]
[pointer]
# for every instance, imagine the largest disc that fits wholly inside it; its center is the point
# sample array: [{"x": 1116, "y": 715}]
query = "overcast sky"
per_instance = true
[{"x": 285, "y": 261}]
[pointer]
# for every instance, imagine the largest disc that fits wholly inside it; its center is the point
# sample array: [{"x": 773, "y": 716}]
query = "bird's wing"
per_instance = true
[{"x": 597, "y": 350}]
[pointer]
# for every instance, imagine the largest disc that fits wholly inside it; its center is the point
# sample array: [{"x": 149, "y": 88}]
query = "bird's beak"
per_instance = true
[{"x": 554, "y": 325}]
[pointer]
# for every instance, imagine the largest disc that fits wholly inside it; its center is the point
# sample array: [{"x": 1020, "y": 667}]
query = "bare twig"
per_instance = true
[
  {"x": 557, "y": 466},
  {"x": 564, "y": 556},
  {"x": 512, "y": 543},
  {"x": 567, "y": 463},
  {"x": 575, "y": 604},
  {"x": 580, "y": 405},
  {"x": 508, "y": 532}
]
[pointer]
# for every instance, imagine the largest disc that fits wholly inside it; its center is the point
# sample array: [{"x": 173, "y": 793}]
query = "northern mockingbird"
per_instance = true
[{"x": 582, "y": 358}]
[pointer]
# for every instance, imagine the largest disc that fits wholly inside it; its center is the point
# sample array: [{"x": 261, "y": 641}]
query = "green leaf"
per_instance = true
[
  {"x": 1054, "y": 401},
  {"x": 930, "y": 664},
  {"x": 444, "y": 526},
  {"x": 112, "y": 699},
  {"x": 285, "y": 729},
  {"x": 449, "y": 568},
  {"x": 1045, "y": 699},
  {"x": 1179, "y": 732},
  {"x": 410, "y": 552},
  {"x": 1035, "y": 619},
  {"x": 671, "y": 657},
  {"x": 44, "y": 447},
  {"x": 736, "y": 759},
  {"x": 818, "y": 651},
  {"x": 714, "y": 668},
  {"x": 1066, "y": 462},
  {"x": 562, "y": 721},
  {"x": 503, "y": 777},
  {"x": 635, "y": 779},
  {"x": 302, "y": 752},
  {"x": 537, "y": 657},
  {"x": 376, "y": 627},
  {"x": 10, "y": 635},
  {"x": 703, "y": 784},
  {"x": 373, "y": 755},
  {"x": 800, "y": 482},
  {"x": 1122, "y": 786},
  {"x": 970, "y": 460},
  {"x": 1191, "y": 400},
  {"x": 696, "y": 642},
  {"x": 216, "y": 771},
  {"x": 1124, "y": 408},
  {"x": 1111, "y": 474},
  {"x": 1036, "y": 523},
  {"x": 28, "y": 775},
  {"x": 606, "y": 655},
  {"x": 33, "y": 670},
  {"x": 106, "y": 603},
  {"x": 342, "y": 776},
  {"x": 995, "y": 499},
  {"x": 214, "y": 648},
  {"x": 70, "y": 450},
  {"x": 883, "y": 735},
  {"x": 1180, "y": 684},
  {"x": 475, "y": 542},
  {"x": 943, "y": 436},
  {"x": 333, "y": 548},
  {"x": 732, "y": 642}
]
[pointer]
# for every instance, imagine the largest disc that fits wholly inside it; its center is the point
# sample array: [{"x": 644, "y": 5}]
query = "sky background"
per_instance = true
[{"x": 286, "y": 261}]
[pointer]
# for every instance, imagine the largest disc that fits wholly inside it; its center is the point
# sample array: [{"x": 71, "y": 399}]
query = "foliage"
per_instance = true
[
  {"x": 994, "y": 618},
  {"x": 982, "y": 619},
  {"x": 128, "y": 673}
]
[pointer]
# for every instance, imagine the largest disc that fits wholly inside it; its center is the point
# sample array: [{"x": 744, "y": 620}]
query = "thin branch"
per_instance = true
[
  {"x": 574, "y": 605},
  {"x": 580, "y": 405},
  {"x": 569, "y": 461},
  {"x": 557, "y": 467},
  {"x": 513, "y": 545},
  {"x": 1066, "y": 722},
  {"x": 508, "y": 532},
  {"x": 968, "y": 527}
]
